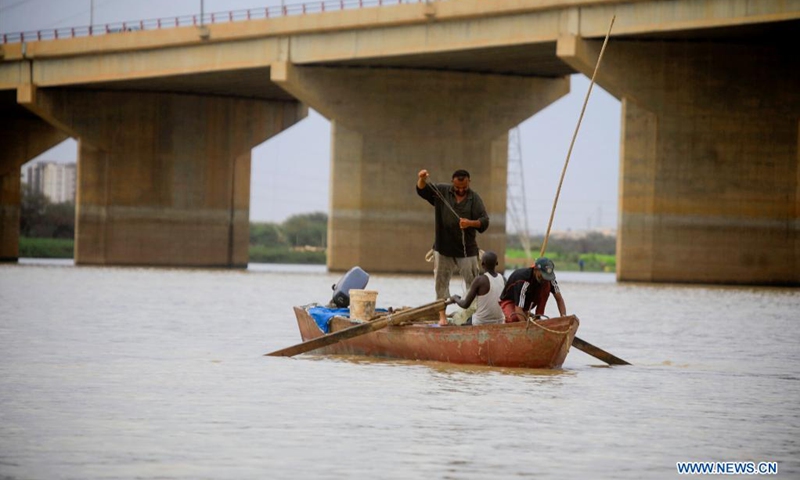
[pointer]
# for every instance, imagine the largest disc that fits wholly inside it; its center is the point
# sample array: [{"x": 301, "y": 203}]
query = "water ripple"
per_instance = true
[{"x": 149, "y": 373}]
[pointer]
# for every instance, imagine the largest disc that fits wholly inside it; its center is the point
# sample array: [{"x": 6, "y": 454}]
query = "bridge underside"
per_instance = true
[
  {"x": 441, "y": 112},
  {"x": 709, "y": 170},
  {"x": 163, "y": 178}
]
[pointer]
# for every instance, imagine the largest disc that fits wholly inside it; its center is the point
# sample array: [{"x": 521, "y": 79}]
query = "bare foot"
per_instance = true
[{"x": 442, "y": 323}]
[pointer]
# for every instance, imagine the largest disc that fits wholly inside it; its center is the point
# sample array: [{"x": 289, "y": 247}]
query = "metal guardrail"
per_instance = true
[{"x": 196, "y": 20}]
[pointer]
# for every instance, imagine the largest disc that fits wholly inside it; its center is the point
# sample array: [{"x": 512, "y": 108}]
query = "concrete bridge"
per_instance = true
[{"x": 165, "y": 120}]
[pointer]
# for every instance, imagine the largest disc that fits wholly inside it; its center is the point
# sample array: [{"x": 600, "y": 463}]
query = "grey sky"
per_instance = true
[{"x": 290, "y": 172}]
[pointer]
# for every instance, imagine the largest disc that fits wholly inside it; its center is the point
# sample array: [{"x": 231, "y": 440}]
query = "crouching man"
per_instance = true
[
  {"x": 531, "y": 287},
  {"x": 487, "y": 288}
]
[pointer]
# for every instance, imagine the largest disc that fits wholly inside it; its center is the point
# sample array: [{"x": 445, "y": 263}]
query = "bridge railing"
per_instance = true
[{"x": 306, "y": 8}]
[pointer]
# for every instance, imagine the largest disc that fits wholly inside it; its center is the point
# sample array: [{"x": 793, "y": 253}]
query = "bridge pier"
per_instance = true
[
  {"x": 386, "y": 126},
  {"x": 23, "y": 138},
  {"x": 163, "y": 179},
  {"x": 9, "y": 216},
  {"x": 709, "y": 162}
]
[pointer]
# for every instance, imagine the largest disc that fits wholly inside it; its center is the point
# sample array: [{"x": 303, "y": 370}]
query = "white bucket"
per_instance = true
[{"x": 362, "y": 304}]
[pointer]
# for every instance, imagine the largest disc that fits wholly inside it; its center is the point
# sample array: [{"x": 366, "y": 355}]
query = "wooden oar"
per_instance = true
[
  {"x": 375, "y": 323},
  {"x": 596, "y": 352}
]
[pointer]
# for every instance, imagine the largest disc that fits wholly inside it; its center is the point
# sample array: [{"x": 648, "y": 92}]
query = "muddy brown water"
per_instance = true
[{"x": 118, "y": 373}]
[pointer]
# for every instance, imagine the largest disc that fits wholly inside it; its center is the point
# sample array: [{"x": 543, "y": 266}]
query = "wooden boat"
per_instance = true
[{"x": 543, "y": 344}]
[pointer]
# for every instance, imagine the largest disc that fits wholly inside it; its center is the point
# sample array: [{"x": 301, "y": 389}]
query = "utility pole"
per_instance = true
[
  {"x": 204, "y": 33},
  {"x": 515, "y": 197},
  {"x": 91, "y": 15},
  {"x": 599, "y": 216}
]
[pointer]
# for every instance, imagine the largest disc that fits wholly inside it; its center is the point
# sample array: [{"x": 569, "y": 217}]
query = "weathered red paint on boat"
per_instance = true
[{"x": 504, "y": 345}]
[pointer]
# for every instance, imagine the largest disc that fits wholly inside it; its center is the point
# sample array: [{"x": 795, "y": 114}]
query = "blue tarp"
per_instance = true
[{"x": 323, "y": 315}]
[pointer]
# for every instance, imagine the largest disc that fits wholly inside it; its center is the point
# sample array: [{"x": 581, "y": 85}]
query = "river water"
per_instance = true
[{"x": 121, "y": 373}]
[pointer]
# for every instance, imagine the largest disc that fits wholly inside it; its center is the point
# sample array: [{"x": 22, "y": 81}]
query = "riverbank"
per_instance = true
[
  {"x": 570, "y": 261},
  {"x": 65, "y": 247},
  {"x": 263, "y": 254},
  {"x": 46, "y": 247},
  {"x": 515, "y": 258}
]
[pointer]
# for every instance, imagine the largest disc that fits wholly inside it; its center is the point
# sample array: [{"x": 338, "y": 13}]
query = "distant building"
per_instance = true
[{"x": 56, "y": 181}]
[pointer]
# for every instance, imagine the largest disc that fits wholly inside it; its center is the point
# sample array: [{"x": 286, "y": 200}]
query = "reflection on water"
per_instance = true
[
  {"x": 282, "y": 268},
  {"x": 160, "y": 373},
  {"x": 444, "y": 368}
]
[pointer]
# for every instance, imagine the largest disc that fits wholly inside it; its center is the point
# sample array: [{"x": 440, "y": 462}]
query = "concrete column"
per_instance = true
[
  {"x": 389, "y": 124},
  {"x": 23, "y": 136},
  {"x": 9, "y": 216},
  {"x": 637, "y": 192},
  {"x": 163, "y": 179},
  {"x": 709, "y": 167}
]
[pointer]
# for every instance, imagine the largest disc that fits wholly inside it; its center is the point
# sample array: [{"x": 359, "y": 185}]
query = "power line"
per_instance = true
[{"x": 9, "y": 7}]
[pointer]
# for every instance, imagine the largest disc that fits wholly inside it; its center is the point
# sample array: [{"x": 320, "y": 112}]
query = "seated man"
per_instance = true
[
  {"x": 487, "y": 288},
  {"x": 531, "y": 287}
]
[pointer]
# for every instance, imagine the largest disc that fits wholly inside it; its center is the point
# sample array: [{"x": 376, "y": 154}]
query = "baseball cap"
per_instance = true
[{"x": 547, "y": 268}]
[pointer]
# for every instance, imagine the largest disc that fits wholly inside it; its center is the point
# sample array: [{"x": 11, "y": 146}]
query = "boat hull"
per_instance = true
[{"x": 542, "y": 345}]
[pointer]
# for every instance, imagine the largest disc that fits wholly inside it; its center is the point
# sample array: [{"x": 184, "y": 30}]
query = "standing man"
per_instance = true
[
  {"x": 487, "y": 289},
  {"x": 531, "y": 287},
  {"x": 459, "y": 214}
]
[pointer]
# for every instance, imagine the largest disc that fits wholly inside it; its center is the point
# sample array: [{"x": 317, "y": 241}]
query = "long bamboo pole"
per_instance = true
[
  {"x": 574, "y": 136},
  {"x": 583, "y": 345}
]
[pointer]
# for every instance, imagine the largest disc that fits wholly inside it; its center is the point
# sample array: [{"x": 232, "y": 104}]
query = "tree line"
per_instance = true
[
  {"x": 590, "y": 251},
  {"x": 298, "y": 239},
  {"x": 589, "y": 242},
  {"x": 303, "y": 230},
  {"x": 47, "y": 230},
  {"x": 41, "y": 218}
]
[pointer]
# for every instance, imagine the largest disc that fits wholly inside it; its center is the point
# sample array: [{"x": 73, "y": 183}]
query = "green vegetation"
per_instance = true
[
  {"x": 597, "y": 250},
  {"x": 39, "y": 218},
  {"x": 299, "y": 239},
  {"x": 47, "y": 231},
  {"x": 46, "y": 247},
  {"x": 307, "y": 230},
  {"x": 264, "y": 254}
]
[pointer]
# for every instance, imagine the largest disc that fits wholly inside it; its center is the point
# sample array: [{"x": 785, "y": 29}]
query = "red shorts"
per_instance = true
[{"x": 510, "y": 311}]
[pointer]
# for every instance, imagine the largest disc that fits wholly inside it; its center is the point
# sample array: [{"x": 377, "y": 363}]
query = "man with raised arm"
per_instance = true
[{"x": 460, "y": 215}]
